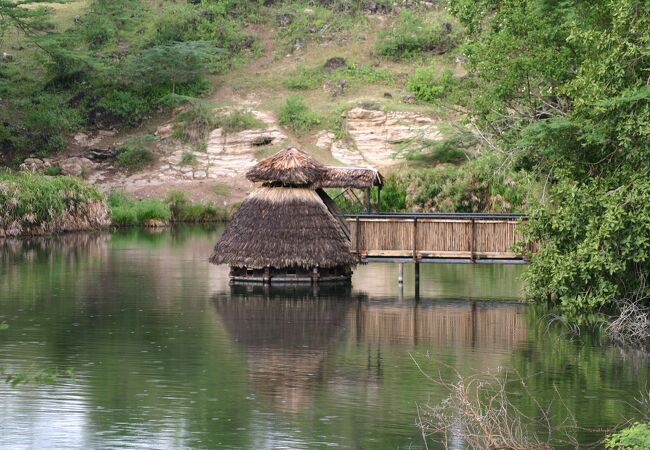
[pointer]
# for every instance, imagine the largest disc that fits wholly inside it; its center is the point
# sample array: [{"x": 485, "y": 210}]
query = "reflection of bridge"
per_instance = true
[{"x": 436, "y": 237}]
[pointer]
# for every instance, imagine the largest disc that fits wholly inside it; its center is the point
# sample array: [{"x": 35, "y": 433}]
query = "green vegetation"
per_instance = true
[
  {"x": 428, "y": 86},
  {"x": 297, "y": 116},
  {"x": 634, "y": 437},
  {"x": 128, "y": 212},
  {"x": 417, "y": 34},
  {"x": 238, "y": 120},
  {"x": 562, "y": 91},
  {"x": 188, "y": 159},
  {"x": 34, "y": 204},
  {"x": 302, "y": 22},
  {"x": 115, "y": 65},
  {"x": 308, "y": 78},
  {"x": 185, "y": 211},
  {"x": 136, "y": 152}
]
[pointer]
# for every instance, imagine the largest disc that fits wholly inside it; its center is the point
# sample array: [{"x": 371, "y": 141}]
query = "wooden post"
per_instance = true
[
  {"x": 314, "y": 275},
  {"x": 266, "y": 278},
  {"x": 368, "y": 200},
  {"x": 358, "y": 236},
  {"x": 379, "y": 199},
  {"x": 400, "y": 277},
  {"x": 417, "y": 280},
  {"x": 472, "y": 245},
  {"x": 415, "y": 239}
]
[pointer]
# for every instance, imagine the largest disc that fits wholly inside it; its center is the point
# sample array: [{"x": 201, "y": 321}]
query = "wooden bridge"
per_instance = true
[{"x": 436, "y": 237}]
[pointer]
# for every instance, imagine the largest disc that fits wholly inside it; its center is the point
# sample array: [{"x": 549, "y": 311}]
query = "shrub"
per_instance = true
[
  {"x": 414, "y": 35},
  {"x": 295, "y": 115},
  {"x": 136, "y": 154},
  {"x": 454, "y": 149},
  {"x": 427, "y": 86},
  {"x": 477, "y": 186},
  {"x": 238, "y": 120},
  {"x": 203, "y": 212},
  {"x": 177, "y": 200},
  {"x": 126, "y": 211},
  {"x": 188, "y": 159},
  {"x": 53, "y": 171},
  {"x": 635, "y": 437},
  {"x": 47, "y": 122},
  {"x": 123, "y": 107},
  {"x": 196, "y": 124}
]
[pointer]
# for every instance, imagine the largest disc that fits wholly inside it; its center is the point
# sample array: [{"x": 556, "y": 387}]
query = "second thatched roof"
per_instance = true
[
  {"x": 352, "y": 177},
  {"x": 283, "y": 227}
]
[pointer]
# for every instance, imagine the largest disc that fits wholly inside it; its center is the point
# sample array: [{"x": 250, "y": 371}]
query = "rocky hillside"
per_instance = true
[{"x": 340, "y": 88}]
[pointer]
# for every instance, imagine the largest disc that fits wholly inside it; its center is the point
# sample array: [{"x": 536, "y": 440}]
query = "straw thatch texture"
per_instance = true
[
  {"x": 282, "y": 227},
  {"x": 288, "y": 167},
  {"x": 352, "y": 177}
]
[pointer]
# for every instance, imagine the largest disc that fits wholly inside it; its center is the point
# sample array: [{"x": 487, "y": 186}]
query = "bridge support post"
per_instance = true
[
  {"x": 400, "y": 277},
  {"x": 417, "y": 280}
]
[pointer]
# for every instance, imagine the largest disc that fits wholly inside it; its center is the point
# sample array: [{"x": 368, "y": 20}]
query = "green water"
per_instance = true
[{"x": 166, "y": 354}]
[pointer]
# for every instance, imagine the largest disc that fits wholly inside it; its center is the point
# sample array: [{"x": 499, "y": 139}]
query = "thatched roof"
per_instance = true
[
  {"x": 352, "y": 177},
  {"x": 288, "y": 167},
  {"x": 283, "y": 227}
]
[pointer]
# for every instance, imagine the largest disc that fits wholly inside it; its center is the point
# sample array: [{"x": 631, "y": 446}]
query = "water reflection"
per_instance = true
[{"x": 168, "y": 354}]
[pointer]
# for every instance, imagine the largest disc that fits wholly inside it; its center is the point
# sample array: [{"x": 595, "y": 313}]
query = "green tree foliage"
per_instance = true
[
  {"x": 171, "y": 64},
  {"x": 563, "y": 87},
  {"x": 24, "y": 15}
]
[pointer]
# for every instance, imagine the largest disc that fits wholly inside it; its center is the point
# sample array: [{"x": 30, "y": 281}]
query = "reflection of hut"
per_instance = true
[
  {"x": 287, "y": 229},
  {"x": 286, "y": 333}
]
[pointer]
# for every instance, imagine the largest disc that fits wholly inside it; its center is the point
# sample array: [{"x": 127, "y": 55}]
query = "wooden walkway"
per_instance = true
[{"x": 436, "y": 237}]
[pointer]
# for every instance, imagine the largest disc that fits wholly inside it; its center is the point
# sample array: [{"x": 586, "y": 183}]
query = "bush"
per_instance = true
[
  {"x": 635, "y": 437},
  {"x": 123, "y": 107},
  {"x": 188, "y": 159},
  {"x": 53, "y": 171},
  {"x": 203, "y": 212},
  {"x": 478, "y": 186},
  {"x": 126, "y": 211},
  {"x": 295, "y": 115},
  {"x": 414, "y": 35},
  {"x": 136, "y": 154},
  {"x": 31, "y": 203},
  {"x": 238, "y": 120},
  {"x": 453, "y": 150},
  {"x": 184, "y": 211},
  {"x": 427, "y": 86}
]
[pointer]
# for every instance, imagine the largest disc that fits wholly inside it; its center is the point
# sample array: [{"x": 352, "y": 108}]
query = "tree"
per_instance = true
[
  {"x": 563, "y": 87},
  {"x": 172, "y": 64},
  {"x": 21, "y": 15}
]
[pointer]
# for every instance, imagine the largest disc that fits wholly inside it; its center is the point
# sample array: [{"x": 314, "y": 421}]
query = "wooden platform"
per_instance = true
[{"x": 463, "y": 238}]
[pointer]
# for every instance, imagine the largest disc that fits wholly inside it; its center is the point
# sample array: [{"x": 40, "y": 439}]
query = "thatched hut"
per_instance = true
[{"x": 287, "y": 229}]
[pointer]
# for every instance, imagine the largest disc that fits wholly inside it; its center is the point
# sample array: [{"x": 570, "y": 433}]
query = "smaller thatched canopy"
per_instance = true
[
  {"x": 281, "y": 227},
  {"x": 352, "y": 177},
  {"x": 288, "y": 167}
]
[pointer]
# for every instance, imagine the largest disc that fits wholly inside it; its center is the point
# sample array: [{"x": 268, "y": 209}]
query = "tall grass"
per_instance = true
[
  {"x": 37, "y": 204},
  {"x": 126, "y": 211}
]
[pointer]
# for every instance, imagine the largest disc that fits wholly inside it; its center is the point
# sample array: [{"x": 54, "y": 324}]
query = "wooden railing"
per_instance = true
[{"x": 473, "y": 237}]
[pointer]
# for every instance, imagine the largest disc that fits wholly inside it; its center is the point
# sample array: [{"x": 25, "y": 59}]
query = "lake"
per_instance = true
[{"x": 165, "y": 353}]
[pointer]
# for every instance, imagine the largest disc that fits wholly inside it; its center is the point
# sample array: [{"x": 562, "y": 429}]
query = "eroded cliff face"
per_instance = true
[{"x": 374, "y": 138}]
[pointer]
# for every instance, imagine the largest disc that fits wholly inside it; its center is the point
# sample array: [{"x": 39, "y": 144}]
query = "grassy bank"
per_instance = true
[
  {"x": 32, "y": 204},
  {"x": 176, "y": 207}
]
